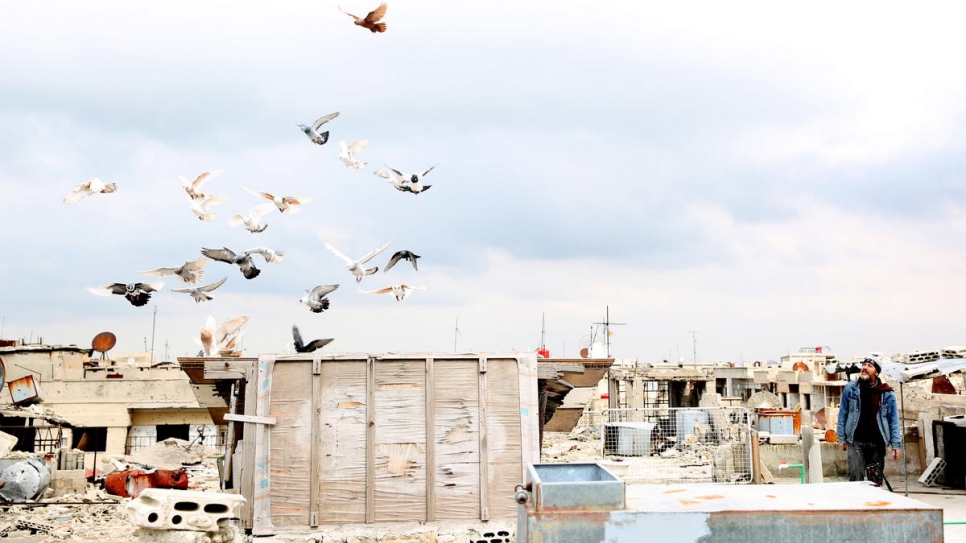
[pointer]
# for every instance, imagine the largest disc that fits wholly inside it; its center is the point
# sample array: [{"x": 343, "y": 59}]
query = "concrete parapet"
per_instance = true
[{"x": 184, "y": 510}]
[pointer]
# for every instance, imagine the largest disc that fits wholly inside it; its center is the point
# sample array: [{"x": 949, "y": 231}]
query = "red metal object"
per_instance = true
[
  {"x": 130, "y": 483},
  {"x": 165, "y": 478}
]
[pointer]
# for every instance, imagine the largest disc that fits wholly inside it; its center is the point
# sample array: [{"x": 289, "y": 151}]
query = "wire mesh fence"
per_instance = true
[{"x": 662, "y": 445}]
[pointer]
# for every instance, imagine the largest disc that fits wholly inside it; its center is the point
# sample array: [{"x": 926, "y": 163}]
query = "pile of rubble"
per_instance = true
[{"x": 96, "y": 514}]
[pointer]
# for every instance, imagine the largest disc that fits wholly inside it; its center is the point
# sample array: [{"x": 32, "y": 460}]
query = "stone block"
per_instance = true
[
  {"x": 170, "y": 509},
  {"x": 73, "y": 481},
  {"x": 778, "y": 439}
]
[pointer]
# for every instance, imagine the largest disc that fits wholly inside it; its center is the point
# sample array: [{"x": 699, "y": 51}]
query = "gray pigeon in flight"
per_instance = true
[
  {"x": 244, "y": 261},
  {"x": 312, "y": 132},
  {"x": 402, "y": 255},
  {"x": 316, "y": 300},
  {"x": 302, "y": 347}
]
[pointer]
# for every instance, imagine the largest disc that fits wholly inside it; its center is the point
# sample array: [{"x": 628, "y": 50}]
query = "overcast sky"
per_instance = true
[{"x": 742, "y": 179}]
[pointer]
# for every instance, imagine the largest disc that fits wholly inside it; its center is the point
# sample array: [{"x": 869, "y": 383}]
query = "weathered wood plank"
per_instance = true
[
  {"x": 291, "y": 444},
  {"x": 370, "y": 440},
  {"x": 400, "y": 441},
  {"x": 504, "y": 441},
  {"x": 342, "y": 455},
  {"x": 430, "y": 441},
  {"x": 228, "y": 368},
  {"x": 484, "y": 446},
  {"x": 456, "y": 440}
]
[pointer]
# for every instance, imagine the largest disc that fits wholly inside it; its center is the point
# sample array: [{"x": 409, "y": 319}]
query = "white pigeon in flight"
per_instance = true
[
  {"x": 85, "y": 189},
  {"x": 200, "y": 294},
  {"x": 214, "y": 336},
  {"x": 285, "y": 204},
  {"x": 412, "y": 183},
  {"x": 347, "y": 153},
  {"x": 193, "y": 188},
  {"x": 315, "y": 299},
  {"x": 357, "y": 266},
  {"x": 190, "y": 272},
  {"x": 200, "y": 207},
  {"x": 270, "y": 255},
  {"x": 312, "y": 132},
  {"x": 399, "y": 291},
  {"x": 253, "y": 221}
]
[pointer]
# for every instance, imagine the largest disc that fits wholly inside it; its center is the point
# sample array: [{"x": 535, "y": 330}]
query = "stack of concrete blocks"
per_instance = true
[
  {"x": 166, "y": 515},
  {"x": 68, "y": 477}
]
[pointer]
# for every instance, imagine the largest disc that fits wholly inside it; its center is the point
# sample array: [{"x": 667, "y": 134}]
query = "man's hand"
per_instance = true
[
  {"x": 843, "y": 445},
  {"x": 895, "y": 454}
]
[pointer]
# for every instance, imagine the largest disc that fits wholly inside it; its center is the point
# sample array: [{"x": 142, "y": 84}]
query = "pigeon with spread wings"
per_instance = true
[
  {"x": 370, "y": 21},
  {"x": 253, "y": 222},
  {"x": 190, "y": 272},
  {"x": 302, "y": 347},
  {"x": 402, "y": 255},
  {"x": 347, "y": 153},
  {"x": 200, "y": 294},
  {"x": 85, "y": 189},
  {"x": 244, "y": 260},
  {"x": 193, "y": 188},
  {"x": 285, "y": 204},
  {"x": 136, "y": 293},
  {"x": 357, "y": 267},
  {"x": 312, "y": 132},
  {"x": 399, "y": 291},
  {"x": 316, "y": 300}
]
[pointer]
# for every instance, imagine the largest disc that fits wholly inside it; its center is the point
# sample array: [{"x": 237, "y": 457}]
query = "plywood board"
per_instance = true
[
  {"x": 457, "y": 434},
  {"x": 400, "y": 440},
  {"x": 503, "y": 436},
  {"x": 342, "y": 453},
  {"x": 291, "y": 443}
]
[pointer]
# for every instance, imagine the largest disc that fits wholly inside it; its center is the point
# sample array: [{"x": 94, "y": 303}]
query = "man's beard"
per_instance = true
[{"x": 865, "y": 376}]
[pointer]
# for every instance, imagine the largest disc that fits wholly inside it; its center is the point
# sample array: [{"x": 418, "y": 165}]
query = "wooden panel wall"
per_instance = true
[{"x": 399, "y": 439}]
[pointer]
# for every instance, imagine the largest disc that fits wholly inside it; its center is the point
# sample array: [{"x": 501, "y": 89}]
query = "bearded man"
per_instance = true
[{"x": 868, "y": 421}]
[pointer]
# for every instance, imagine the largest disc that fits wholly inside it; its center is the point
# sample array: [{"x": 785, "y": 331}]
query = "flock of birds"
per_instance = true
[{"x": 224, "y": 338}]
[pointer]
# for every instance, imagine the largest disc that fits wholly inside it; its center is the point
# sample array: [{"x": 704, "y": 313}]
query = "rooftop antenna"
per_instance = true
[
  {"x": 607, "y": 324},
  {"x": 456, "y": 332},
  {"x": 694, "y": 343},
  {"x": 543, "y": 330}
]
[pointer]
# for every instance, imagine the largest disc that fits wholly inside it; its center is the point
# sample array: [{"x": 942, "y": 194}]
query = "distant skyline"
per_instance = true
[{"x": 769, "y": 177}]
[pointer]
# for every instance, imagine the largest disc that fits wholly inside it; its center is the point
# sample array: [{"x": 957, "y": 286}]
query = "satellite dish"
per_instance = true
[
  {"x": 763, "y": 398},
  {"x": 584, "y": 353},
  {"x": 104, "y": 342}
]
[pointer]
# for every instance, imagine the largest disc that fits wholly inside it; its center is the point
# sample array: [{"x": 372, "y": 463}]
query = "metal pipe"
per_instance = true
[
  {"x": 801, "y": 469},
  {"x": 902, "y": 422}
]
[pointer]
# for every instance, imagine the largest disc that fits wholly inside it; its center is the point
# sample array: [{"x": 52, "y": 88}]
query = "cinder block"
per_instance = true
[
  {"x": 187, "y": 510},
  {"x": 73, "y": 481},
  {"x": 783, "y": 438}
]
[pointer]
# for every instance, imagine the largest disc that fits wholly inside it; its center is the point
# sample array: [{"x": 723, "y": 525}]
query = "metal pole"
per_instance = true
[{"x": 902, "y": 424}]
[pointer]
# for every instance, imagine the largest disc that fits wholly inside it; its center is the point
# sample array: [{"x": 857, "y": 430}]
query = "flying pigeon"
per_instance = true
[
  {"x": 399, "y": 183},
  {"x": 244, "y": 261},
  {"x": 402, "y": 255},
  {"x": 302, "y": 347},
  {"x": 216, "y": 336},
  {"x": 399, "y": 291},
  {"x": 371, "y": 21},
  {"x": 316, "y": 299},
  {"x": 347, "y": 154},
  {"x": 285, "y": 204},
  {"x": 193, "y": 188},
  {"x": 413, "y": 183},
  {"x": 253, "y": 221},
  {"x": 190, "y": 272},
  {"x": 200, "y": 293},
  {"x": 357, "y": 267},
  {"x": 85, "y": 189},
  {"x": 313, "y": 131},
  {"x": 270, "y": 255},
  {"x": 200, "y": 206},
  {"x": 136, "y": 293}
]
